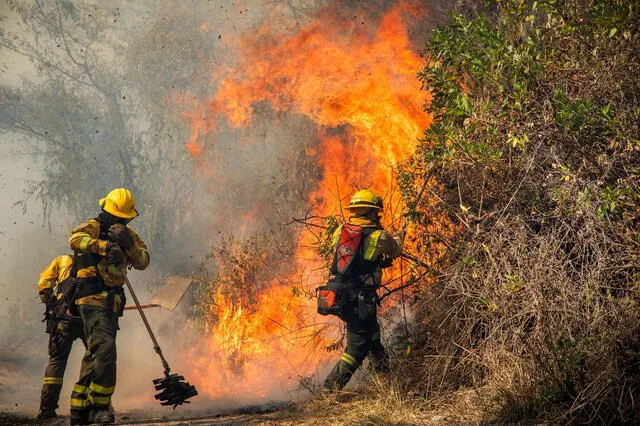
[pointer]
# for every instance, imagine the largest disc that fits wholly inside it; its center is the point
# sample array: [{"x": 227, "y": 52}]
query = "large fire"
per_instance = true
[{"x": 363, "y": 83}]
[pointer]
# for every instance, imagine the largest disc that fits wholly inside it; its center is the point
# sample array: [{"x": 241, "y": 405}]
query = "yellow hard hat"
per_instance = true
[
  {"x": 120, "y": 203},
  {"x": 365, "y": 198}
]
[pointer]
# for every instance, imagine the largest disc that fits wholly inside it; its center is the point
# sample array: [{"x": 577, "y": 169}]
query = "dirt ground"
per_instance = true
[
  {"x": 157, "y": 419},
  {"x": 286, "y": 414},
  {"x": 246, "y": 416}
]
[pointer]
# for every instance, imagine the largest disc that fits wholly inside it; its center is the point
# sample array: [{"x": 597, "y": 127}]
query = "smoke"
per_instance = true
[
  {"x": 24, "y": 242},
  {"x": 243, "y": 181}
]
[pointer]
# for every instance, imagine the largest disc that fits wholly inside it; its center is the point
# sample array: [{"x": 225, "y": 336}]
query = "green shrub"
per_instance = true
[{"x": 535, "y": 154}]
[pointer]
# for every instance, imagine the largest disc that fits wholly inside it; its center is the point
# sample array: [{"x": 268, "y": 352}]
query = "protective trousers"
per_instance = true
[
  {"x": 363, "y": 338},
  {"x": 61, "y": 340},
  {"x": 98, "y": 370}
]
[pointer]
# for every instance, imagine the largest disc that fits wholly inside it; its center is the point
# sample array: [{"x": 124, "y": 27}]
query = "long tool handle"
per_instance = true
[
  {"x": 150, "y": 305},
  {"x": 156, "y": 346}
]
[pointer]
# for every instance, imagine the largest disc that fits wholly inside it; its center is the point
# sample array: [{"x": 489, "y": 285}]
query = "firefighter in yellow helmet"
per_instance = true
[
  {"x": 362, "y": 249},
  {"x": 104, "y": 248},
  {"x": 63, "y": 329}
]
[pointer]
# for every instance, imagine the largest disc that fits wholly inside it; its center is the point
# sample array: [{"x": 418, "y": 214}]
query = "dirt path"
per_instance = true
[
  {"x": 285, "y": 416},
  {"x": 137, "y": 419}
]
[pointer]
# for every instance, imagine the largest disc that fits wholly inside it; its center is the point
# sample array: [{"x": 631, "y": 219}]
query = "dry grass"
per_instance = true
[
  {"x": 383, "y": 401},
  {"x": 542, "y": 324}
]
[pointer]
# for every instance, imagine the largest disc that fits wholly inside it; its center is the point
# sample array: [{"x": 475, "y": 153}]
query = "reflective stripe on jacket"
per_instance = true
[
  {"x": 57, "y": 271},
  {"x": 85, "y": 239}
]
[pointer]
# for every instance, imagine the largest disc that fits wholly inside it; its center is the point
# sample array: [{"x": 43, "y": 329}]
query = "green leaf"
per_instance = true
[{"x": 466, "y": 105}]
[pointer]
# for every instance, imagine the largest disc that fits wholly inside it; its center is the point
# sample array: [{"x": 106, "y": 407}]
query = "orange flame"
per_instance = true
[{"x": 366, "y": 86}]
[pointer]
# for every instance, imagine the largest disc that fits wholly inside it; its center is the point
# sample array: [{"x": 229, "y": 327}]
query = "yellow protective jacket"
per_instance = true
[
  {"x": 86, "y": 239},
  {"x": 376, "y": 246},
  {"x": 57, "y": 271}
]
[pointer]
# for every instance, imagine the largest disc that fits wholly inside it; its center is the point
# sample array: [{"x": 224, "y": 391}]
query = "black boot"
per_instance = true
[
  {"x": 46, "y": 415},
  {"x": 78, "y": 417},
  {"x": 101, "y": 416}
]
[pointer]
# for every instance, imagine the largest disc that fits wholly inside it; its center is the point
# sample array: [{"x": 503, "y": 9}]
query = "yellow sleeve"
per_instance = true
[
  {"x": 84, "y": 239},
  {"x": 49, "y": 275},
  {"x": 379, "y": 243},
  {"x": 58, "y": 270},
  {"x": 138, "y": 254}
]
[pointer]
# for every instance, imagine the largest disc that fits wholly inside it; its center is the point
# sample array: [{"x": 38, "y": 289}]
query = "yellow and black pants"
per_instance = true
[
  {"x": 363, "y": 339},
  {"x": 61, "y": 338},
  {"x": 98, "y": 370}
]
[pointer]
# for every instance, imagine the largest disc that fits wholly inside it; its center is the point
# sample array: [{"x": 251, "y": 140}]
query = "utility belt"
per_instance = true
[
  {"x": 346, "y": 298},
  {"x": 79, "y": 288},
  {"x": 57, "y": 309}
]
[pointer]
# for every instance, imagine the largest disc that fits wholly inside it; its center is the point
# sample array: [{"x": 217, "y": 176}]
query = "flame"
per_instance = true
[
  {"x": 365, "y": 85},
  {"x": 254, "y": 351}
]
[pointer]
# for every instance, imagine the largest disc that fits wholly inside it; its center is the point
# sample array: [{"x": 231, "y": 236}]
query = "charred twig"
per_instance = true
[
  {"x": 414, "y": 260},
  {"x": 305, "y": 221},
  {"x": 408, "y": 284},
  {"x": 280, "y": 324},
  {"x": 416, "y": 201}
]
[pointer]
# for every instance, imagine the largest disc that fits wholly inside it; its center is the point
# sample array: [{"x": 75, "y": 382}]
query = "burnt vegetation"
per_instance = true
[{"x": 535, "y": 151}]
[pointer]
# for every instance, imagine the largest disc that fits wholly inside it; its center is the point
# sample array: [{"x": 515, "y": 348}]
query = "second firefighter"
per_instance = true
[
  {"x": 63, "y": 329},
  {"x": 362, "y": 248}
]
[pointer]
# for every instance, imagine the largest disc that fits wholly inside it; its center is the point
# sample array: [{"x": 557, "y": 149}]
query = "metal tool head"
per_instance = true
[
  {"x": 174, "y": 390},
  {"x": 171, "y": 292}
]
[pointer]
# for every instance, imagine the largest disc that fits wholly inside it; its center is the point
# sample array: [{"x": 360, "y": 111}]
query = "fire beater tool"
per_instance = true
[
  {"x": 173, "y": 389},
  {"x": 168, "y": 295}
]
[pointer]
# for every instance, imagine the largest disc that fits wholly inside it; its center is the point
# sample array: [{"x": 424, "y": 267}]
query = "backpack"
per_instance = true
[
  {"x": 347, "y": 249},
  {"x": 347, "y": 263}
]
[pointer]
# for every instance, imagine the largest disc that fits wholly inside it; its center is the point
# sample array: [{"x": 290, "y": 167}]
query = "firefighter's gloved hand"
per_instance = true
[
  {"x": 119, "y": 234},
  {"x": 385, "y": 261},
  {"x": 45, "y": 295},
  {"x": 115, "y": 255}
]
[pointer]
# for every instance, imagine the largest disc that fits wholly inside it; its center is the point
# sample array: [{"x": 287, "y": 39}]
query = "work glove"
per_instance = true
[
  {"x": 385, "y": 261},
  {"x": 45, "y": 295},
  {"x": 115, "y": 255},
  {"x": 119, "y": 234}
]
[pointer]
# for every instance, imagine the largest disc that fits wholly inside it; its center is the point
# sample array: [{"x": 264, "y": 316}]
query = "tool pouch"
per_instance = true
[
  {"x": 332, "y": 297},
  {"x": 117, "y": 300},
  {"x": 367, "y": 302},
  {"x": 328, "y": 301},
  {"x": 51, "y": 324},
  {"x": 69, "y": 290},
  {"x": 59, "y": 308}
]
